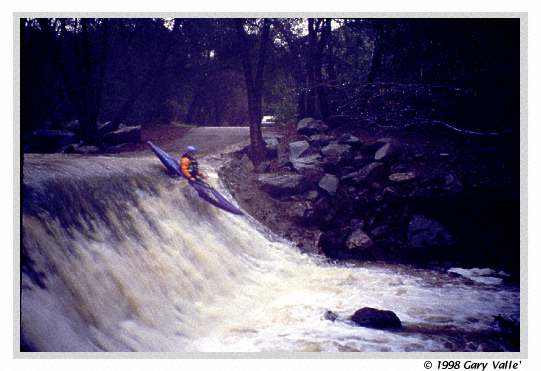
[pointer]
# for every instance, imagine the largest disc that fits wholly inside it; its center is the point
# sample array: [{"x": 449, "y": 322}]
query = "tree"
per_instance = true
[{"x": 254, "y": 84}]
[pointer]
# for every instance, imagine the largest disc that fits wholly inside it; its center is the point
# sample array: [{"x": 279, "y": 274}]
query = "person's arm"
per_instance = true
[{"x": 184, "y": 166}]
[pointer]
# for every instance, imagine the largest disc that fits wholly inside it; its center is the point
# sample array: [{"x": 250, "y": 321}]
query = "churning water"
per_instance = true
[{"x": 117, "y": 256}]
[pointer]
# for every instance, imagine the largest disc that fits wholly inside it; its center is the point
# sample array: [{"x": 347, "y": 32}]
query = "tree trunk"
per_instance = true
[
  {"x": 378, "y": 50},
  {"x": 254, "y": 87}
]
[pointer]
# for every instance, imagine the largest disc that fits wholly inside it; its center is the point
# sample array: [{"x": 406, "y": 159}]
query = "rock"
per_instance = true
[
  {"x": 356, "y": 223},
  {"x": 376, "y": 318},
  {"x": 359, "y": 240},
  {"x": 425, "y": 233},
  {"x": 349, "y": 139},
  {"x": 384, "y": 140},
  {"x": 329, "y": 183},
  {"x": 336, "y": 150},
  {"x": 319, "y": 140},
  {"x": 70, "y": 148},
  {"x": 371, "y": 172},
  {"x": 335, "y": 155},
  {"x": 87, "y": 150},
  {"x": 388, "y": 151},
  {"x": 402, "y": 177},
  {"x": 298, "y": 149},
  {"x": 453, "y": 184},
  {"x": 73, "y": 125},
  {"x": 262, "y": 167},
  {"x": 128, "y": 134},
  {"x": 107, "y": 127},
  {"x": 312, "y": 195},
  {"x": 309, "y": 126},
  {"x": 302, "y": 211},
  {"x": 389, "y": 193},
  {"x": 46, "y": 140},
  {"x": 359, "y": 160},
  {"x": 280, "y": 185},
  {"x": 246, "y": 164},
  {"x": 379, "y": 231},
  {"x": 272, "y": 144},
  {"x": 330, "y": 315}
]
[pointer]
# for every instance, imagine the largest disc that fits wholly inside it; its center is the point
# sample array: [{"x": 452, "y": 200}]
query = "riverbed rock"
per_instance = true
[
  {"x": 424, "y": 232},
  {"x": 280, "y": 185},
  {"x": 359, "y": 240},
  {"x": 128, "y": 134},
  {"x": 329, "y": 183},
  {"x": 310, "y": 126},
  {"x": 376, "y": 318}
]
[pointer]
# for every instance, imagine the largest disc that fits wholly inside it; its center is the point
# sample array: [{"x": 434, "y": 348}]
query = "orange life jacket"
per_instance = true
[{"x": 188, "y": 166}]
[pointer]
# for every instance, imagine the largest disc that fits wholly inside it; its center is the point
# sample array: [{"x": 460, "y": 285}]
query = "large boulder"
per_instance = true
[
  {"x": 45, "y": 140},
  {"x": 282, "y": 185},
  {"x": 376, "y": 318},
  {"x": 309, "y": 126},
  {"x": 359, "y": 240},
  {"x": 329, "y": 183},
  {"x": 424, "y": 232},
  {"x": 127, "y": 134},
  {"x": 298, "y": 149},
  {"x": 309, "y": 166}
]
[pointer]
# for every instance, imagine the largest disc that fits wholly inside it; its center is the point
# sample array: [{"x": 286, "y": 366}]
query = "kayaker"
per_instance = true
[{"x": 189, "y": 166}]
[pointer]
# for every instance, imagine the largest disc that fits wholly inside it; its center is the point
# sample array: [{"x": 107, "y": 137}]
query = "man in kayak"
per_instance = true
[{"x": 189, "y": 166}]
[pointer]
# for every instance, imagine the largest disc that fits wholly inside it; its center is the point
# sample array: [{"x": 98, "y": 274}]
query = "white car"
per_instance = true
[{"x": 268, "y": 120}]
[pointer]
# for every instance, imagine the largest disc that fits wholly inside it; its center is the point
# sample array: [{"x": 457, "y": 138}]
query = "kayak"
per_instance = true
[{"x": 204, "y": 190}]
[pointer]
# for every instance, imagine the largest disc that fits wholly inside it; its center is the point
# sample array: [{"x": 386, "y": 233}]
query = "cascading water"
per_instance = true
[{"x": 117, "y": 256}]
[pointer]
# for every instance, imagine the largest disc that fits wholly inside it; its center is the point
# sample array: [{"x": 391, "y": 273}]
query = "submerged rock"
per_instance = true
[
  {"x": 330, "y": 315},
  {"x": 376, "y": 318}
]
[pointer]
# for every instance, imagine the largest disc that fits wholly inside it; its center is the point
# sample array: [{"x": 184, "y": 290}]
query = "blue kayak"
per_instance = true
[{"x": 205, "y": 191}]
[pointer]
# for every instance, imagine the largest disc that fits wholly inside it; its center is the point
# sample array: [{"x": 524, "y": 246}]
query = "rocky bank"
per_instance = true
[{"x": 430, "y": 199}]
